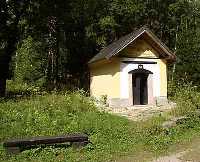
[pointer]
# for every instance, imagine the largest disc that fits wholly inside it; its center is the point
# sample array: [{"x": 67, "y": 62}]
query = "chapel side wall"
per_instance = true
[
  {"x": 105, "y": 79},
  {"x": 163, "y": 78}
]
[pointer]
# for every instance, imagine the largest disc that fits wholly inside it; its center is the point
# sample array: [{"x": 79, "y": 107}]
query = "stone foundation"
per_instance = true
[
  {"x": 117, "y": 102},
  {"x": 161, "y": 101}
]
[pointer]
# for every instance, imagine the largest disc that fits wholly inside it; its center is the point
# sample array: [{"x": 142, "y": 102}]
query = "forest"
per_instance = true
[
  {"x": 48, "y": 43},
  {"x": 45, "y": 46}
]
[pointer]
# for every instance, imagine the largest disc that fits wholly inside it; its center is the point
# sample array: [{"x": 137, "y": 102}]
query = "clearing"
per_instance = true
[{"x": 112, "y": 137}]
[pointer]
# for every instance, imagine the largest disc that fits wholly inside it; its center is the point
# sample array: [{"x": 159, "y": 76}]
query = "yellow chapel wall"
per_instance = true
[
  {"x": 163, "y": 77},
  {"x": 105, "y": 79},
  {"x": 105, "y": 75}
]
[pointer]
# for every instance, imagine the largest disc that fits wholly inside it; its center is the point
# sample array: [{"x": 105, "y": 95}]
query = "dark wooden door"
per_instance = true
[{"x": 140, "y": 89}]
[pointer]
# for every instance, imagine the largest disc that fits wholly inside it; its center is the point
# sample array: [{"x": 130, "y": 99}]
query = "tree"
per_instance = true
[
  {"x": 72, "y": 32},
  {"x": 186, "y": 17},
  {"x": 30, "y": 62},
  {"x": 11, "y": 12}
]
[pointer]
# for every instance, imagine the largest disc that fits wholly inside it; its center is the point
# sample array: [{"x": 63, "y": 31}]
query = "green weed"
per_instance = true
[{"x": 111, "y": 136}]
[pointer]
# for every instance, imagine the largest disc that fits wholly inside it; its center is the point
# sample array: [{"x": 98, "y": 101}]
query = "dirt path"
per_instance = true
[
  {"x": 170, "y": 158},
  {"x": 189, "y": 152}
]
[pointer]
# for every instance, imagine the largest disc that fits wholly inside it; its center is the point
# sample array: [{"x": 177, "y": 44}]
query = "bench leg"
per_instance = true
[
  {"x": 79, "y": 144},
  {"x": 13, "y": 150}
]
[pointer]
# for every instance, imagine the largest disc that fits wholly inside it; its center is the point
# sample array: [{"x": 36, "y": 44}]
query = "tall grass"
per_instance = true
[
  {"x": 62, "y": 114},
  {"x": 111, "y": 136},
  {"x": 43, "y": 115},
  {"x": 187, "y": 98}
]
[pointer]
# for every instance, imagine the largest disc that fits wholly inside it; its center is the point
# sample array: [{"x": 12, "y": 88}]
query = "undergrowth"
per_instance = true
[{"x": 111, "y": 136}]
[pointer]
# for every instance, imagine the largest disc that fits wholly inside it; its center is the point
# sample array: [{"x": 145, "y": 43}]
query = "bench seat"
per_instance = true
[{"x": 15, "y": 146}]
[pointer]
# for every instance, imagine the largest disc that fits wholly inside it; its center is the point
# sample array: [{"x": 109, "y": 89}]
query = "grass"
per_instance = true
[
  {"x": 60, "y": 114},
  {"x": 111, "y": 136}
]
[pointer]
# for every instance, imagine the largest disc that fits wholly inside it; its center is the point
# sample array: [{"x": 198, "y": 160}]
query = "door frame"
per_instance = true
[
  {"x": 150, "y": 97},
  {"x": 140, "y": 88}
]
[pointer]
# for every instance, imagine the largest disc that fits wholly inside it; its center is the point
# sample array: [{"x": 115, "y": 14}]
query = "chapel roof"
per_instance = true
[{"x": 143, "y": 33}]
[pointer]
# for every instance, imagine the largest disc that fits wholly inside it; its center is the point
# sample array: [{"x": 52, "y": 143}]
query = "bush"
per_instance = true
[
  {"x": 187, "y": 98},
  {"x": 30, "y": 62},
  {"x": 43, "y": 115},
  {"x": 23, "y": 89}
]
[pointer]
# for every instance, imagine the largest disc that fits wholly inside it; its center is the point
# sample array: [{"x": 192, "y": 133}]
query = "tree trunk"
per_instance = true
[
  {"x": 52, "y": 67},
  {"x": 175, "y": 49},
  {"x": 11, "y": 37},
  {"x": 2, "y": 87}
]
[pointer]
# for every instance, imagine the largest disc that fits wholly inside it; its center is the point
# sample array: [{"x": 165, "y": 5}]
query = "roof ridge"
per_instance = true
[{"x": 114, "y": 48}]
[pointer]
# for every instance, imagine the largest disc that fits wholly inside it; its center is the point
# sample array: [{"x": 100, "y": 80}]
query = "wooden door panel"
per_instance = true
[{"x": 140, "y": 89}]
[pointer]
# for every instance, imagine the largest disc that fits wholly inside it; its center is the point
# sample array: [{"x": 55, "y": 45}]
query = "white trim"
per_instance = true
[{"x": 124, "y": 78}]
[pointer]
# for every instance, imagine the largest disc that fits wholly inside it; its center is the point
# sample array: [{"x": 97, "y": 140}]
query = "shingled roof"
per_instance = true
[{"x": 114, "y": 48}]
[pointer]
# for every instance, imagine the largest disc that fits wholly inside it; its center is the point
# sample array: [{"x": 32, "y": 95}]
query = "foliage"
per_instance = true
[
  {"x": 17, "y": 90},
  {"x": 44, "y": 115},
  {"x": 186, "y": 15},
  {"x": 82, "y": 28},
  {"x": 111, "y": 136},
  {"x": 61, "y": 114},
  {"x": 187, "y": 98},
  {"x": 30, "y": 62}
]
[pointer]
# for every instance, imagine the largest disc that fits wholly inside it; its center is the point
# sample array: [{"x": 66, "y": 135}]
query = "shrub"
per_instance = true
[
  {"x": 187, "y": 98},
  {"x": 29, "y": 61},
  {"x": 17, "y": 88},
  {"x": 43, "y": 115}
]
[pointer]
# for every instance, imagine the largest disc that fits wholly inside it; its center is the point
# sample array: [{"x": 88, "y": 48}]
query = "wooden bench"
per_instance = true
[{"x": 17, "y": 145}]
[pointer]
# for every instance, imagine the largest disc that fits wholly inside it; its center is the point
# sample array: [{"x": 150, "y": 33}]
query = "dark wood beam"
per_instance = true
[
  {"x": 17, "y": 145},
  {"x": 139, "y": 62}
]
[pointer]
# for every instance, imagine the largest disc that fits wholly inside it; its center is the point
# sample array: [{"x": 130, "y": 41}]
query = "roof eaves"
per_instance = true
[
  {"x": 125, "y": 45},
  {"x": 92, "y": 61},
  {"x": 161, "y": 44},
  {"x": 126, "y": 40}
]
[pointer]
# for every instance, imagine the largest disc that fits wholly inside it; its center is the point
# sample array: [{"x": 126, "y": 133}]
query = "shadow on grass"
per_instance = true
[
  {"x": 51, "y": 146},
  {"x": 20, "y": 95}
]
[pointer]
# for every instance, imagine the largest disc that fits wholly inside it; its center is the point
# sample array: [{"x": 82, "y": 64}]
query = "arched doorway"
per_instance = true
[{"x": 141, "y": 86}]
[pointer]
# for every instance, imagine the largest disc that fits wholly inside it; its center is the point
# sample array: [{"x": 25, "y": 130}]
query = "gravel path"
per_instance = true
[
  {"x": 138, "y": 113},
  {"x": 170, "y": 158},
  {"x": 191, "y": 153}
]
